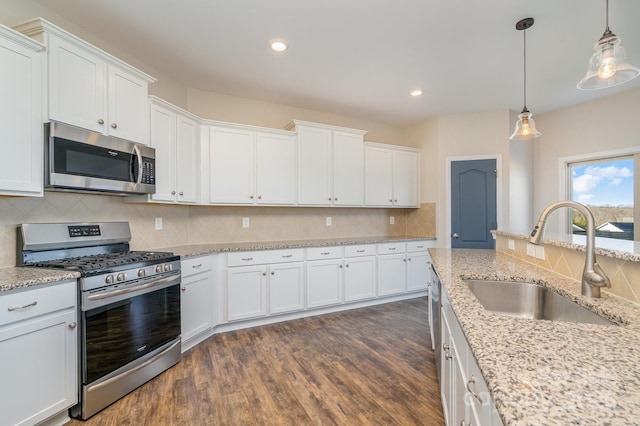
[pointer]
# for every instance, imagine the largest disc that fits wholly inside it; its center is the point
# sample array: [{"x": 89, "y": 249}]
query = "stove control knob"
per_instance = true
[
  {"x": 142, "y": 272},
  {"x": 158, "y": 269},
  {"x": 109, "y": 279},
  {"x": 167, "y": 267},
  {"x": 121, "y": 276}
]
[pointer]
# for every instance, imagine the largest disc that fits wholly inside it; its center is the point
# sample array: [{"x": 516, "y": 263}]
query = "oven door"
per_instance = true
[{"x": 122, "y": 324}]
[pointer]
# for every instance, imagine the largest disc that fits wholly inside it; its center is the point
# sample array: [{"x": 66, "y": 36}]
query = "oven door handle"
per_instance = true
[{"x": 152, "y": 284}]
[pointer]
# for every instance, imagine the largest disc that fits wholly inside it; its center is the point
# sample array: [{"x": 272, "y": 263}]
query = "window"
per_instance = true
[{"x": 606, "y": 186}]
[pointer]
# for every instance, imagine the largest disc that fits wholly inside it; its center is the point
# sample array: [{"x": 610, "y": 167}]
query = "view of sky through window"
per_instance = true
[{"x": 607, "y": 183}]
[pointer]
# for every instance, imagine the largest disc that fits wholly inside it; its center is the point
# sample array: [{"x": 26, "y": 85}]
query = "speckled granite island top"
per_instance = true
[
  {"x": 19, "y": 277},
  {"x": 547, "y": 372},
  {"x": 203, "y": 249}
]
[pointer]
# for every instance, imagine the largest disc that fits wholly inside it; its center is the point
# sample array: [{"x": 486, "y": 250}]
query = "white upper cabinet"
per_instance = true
[
  {"x": 250, "y": 166},
  {"x": 21, "y": 138},
  {"x": 330, "y": 164},
  {"x": 91, "y": 89},
  {"x": 392, "y": 176},
  {"x": 175, "y": 134}
]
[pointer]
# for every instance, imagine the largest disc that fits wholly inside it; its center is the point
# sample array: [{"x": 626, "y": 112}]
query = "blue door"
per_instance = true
[{"x": 473, "y": 203}]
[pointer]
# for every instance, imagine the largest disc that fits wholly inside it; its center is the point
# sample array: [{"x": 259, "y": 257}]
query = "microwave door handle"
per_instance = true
[{"x": 137, "y": 154}]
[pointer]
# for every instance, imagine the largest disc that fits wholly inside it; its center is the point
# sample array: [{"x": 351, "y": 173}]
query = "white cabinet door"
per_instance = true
[
  {"x": 406, "y": 170},
  {"x": 359, "y": 278},
  {"x": 128, "y": 106},
  {"x": 187, "y": 159},
  {"x": 275, "y": 169},
  {"x": 378, "y": 176},
  {"x": 232, "y": 166},
  {"x": 77, "y": 86},
  {"x": 314, "y": 166},
  {"x": 286, "y": 288},
  {"x": 392, "y": 272},
  {"x": 246, "y": 292},
  {"x": 418, "y": 273},
  {"x": 21, "y": 162},
  {"x": 324, "y": 283},
  {"x": 196, "y": 305},
  {"x": 348, "y": 169},
  {"x": 163, "y": 135}
]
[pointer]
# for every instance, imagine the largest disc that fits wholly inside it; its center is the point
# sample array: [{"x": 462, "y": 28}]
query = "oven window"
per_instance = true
[
  {"x": 121, "y": 332},
  {"x": 74, "y": 158}
]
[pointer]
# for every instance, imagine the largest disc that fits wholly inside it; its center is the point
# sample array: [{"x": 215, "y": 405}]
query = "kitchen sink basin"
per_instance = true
[{"x": 528, "y": 300}]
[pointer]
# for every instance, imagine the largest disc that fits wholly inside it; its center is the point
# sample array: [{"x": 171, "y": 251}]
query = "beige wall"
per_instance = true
[
  {"x": 217, "y": 106},
  {"x": 605, "y": 124}
]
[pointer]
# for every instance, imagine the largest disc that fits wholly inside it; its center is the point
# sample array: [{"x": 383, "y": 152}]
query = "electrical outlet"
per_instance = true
[
  {"x": 511, "y": 244},
  {"x": 531, "y": 250},
  {"x": 392, "y": 220},
  {"x": 328, "y": 220},
  {"x": 245, "y": 222},
  {"x": 540, "y": 252},
  {"x": 158, "y": 223}
]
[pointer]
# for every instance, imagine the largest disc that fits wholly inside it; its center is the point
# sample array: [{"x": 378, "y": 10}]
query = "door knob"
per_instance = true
[{"x": 455, "y": 235}]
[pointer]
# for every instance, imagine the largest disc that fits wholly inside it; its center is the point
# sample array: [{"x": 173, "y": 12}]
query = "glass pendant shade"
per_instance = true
[
  {"x": 608, "y": 66},
  {"x": 525, "y": 127}
]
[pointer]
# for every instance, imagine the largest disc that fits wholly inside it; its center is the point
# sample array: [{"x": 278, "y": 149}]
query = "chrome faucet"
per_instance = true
[{"x": 593, "y": 277}]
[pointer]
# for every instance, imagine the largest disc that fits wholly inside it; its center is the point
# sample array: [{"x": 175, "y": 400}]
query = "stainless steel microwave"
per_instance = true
[{"x": 81, "y": 160}]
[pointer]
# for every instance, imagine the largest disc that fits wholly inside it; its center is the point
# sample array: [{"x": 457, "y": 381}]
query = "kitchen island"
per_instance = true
[{"x": 547, "y": 372}]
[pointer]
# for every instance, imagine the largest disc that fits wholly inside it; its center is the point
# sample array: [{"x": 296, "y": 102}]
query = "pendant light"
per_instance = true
[
  {"x": 608, "y": 66},
  {"x": 525, "y": 126}
]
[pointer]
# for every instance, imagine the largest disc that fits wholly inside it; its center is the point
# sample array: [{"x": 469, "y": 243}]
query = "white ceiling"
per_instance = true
[{"x": 360, "y": 58}]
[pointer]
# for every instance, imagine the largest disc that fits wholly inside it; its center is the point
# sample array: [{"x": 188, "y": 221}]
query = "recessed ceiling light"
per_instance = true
[
  {"x": 416, "y": 92},
  {"x": 278, "y": 45}
]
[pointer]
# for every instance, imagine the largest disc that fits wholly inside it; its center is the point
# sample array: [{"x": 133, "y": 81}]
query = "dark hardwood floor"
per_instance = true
[{"x": 370, "y": 366}]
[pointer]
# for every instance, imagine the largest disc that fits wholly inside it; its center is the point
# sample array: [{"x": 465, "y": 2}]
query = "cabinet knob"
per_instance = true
[
  {"x": 183, "y": 288},
  {"x": 114, "y": 126},
  {"x": 273, "y": 273},
  {"x": 391, "y": 200},
  {"x": 347, "y": 265},
  {"x": 335, "y": 199},
  {"x": 395, "y": 201},
  {"x": 181, "y": 193},
  {"x": 72, "y": 325},
  {"x": 264, "y": 274},
  {"x": 259, "y": 197},
  {"x": 173, "y": 192},
  {"x": 251, "y": 196},
  {"x": 100, "y": 121},
  {"x": 330, "y": 198}
]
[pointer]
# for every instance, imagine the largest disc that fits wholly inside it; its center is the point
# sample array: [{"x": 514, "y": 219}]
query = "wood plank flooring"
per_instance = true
[{"x": 370, "y": 366}]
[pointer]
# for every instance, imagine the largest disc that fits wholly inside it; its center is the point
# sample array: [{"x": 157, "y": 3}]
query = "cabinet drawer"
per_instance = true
[
  {"x": 418, "y": 245},
  {"x": 196, "y": 265},
  {"x": 392, "y": 248},
  {"x": 39, "y": 301},
  {"x": 264, "y": 257},
  {"x": 318, "y": 253},
  {"x": 361, "y": 250}
]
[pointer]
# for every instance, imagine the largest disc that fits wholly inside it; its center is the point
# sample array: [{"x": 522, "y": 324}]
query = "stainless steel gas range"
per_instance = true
[{"x": 129, "y": 305}]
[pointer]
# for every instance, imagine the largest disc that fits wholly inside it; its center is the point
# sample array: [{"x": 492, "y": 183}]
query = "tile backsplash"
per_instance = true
[
  {"x": 623, "y": 274},
  {"x": 207, "y": 224}
]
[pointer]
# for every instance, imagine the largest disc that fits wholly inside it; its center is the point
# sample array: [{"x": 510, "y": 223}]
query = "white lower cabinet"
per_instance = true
[
  {"x": 246, "y": 292},
  {"x": 286, "y": 288},
  {"x": 324, "y": 283},
  {"x": 38, "y": 353},
  {"x": 392, "y": 269},
  {"x": 197, "y": 298},
  {"x": 465, "y": 396},
  {"x": 359, "y": 278}
]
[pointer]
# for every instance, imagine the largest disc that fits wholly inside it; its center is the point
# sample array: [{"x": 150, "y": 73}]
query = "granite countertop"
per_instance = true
[
  {"x": 21, "y": 277},
  {"x": 194, "y": 250},
  {"x": 547, "y": 372}
]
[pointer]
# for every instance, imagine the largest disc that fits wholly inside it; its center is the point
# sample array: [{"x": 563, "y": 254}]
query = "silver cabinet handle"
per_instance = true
[
  {"x": 404, "y": 260},
  {"x": 181, "y": 193},
  {"x": 340, "y": 266},
  {"x": 287, "y": 256},
  {"x": 199, "y": 265},
  {"x": 183, "y": 288},
  {"x": 259, "y": 197},
  {"x": 173, "y": 192},
  {"x": 264, "y": 274},
  {"x": 324, "y": 253},
  {"x": 455, "y": 235},
  {"x": 100, "y": 121},
  {"x": 359, "y": 251},
  {"x": 72, "y": 325},
  {"x": 247, "y": 258},
  {"x": 251, "y": 196},
  {"x": 347, "y": 265},
  {"x": 335, "y": 199},
  {"x": 20, "y": 308},
  {"x": 472, "y": 381},
  {"x": 114, "y": 126},
  {"x": 273, "y": 273}
]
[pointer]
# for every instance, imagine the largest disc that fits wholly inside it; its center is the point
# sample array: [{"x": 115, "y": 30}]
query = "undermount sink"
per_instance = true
[{"x": 532, "y": 301}]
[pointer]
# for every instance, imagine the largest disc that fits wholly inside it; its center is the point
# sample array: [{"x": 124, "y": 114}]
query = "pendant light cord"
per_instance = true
[
  {"x": 607, "y": 18},
  {"x": 524, "y": 33}
]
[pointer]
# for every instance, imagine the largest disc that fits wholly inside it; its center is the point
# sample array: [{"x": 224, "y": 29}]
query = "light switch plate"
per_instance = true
[
  {"x": 328, "y": 221},
  {"x": 511, "y": 244},
  {"x": 392, "y": 220},
  {"x": 540, "y": 252},
  {"x": 531, "y": 250},
  {"x": 245, "y": 222},
  {"x": 158, "y": 223}
]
